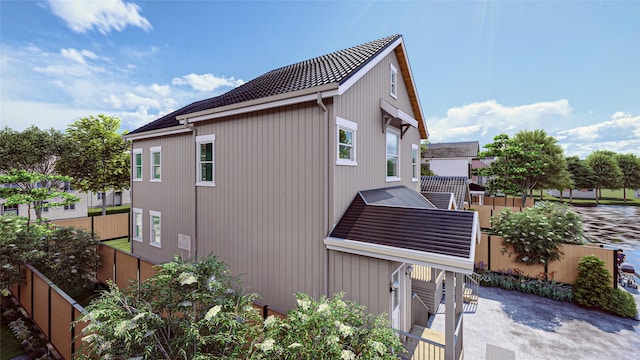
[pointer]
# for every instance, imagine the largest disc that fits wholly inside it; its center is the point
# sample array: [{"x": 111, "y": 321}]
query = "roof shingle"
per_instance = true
[
  {"x": 336, "y": 67},
  {"x": 452, "y": 150},
  {"x": 458, "y": 185}
]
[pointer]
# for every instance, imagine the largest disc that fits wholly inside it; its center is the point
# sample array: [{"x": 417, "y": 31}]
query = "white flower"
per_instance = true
[
  {"x": 323, "y": 308},
  {"x": 185, "y": 303},
  {"x": 379, "y": 347},
  {"x": 347, "y": 355},
  {"x": 211, "y": 282},
  {"x": 304, "y": 303},
  {"x": 294, "y": 345},
  {"x": 212, "y": 312},
  {"x": 267, "y": 345},
  {"x": 122, "y": 327},
  {"x": 187, "y": 278},
  {"x": 332, "y": 339},
  {"x": 345, "y": 330},
  {"x": 270, "y": 320},
  {"x": 138, "y": 317}
]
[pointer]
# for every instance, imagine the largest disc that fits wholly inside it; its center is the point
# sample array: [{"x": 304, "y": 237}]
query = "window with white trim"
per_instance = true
[
  {"x": 45, "y": 207},
  {"x": 415, "y": 162},
  {"x": 205, "y": 153},
  {"x": 137, "y": 224},
  {"x": 156, "y": 161},
  {"x": 346, "y": 142},
  {"x": 70, "y": 207},
  {"x": 155, "y": 226},
  {"x": 393, "y": 154},
  {"x": 137, "y": 164},
  {"x": 394, "y": 81}
]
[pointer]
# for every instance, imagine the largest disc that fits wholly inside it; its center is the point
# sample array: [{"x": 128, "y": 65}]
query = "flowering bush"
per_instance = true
[{"x": 333, "y": 327}]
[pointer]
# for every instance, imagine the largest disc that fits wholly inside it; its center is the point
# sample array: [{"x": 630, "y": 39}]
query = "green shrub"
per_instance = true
[{"x": 592, "y": 289}]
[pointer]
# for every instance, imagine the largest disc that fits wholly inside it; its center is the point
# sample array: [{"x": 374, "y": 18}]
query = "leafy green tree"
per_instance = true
[
  {"x": 537, "y": 232},
  {"x": 99, "y": 160},
  {"x": 35, "y": 190},
  {"x": 188, "y": 310},
  {"x": 629, "y": 164},
  {"x": 332, "y": 327},
  {"x": 32, "y": 150},
  {"x": 517, "y": 168},
  {"x": 13, "y": 249},
  {"x": 581, "y": 174},
  {"x": 606, "y": 172}
]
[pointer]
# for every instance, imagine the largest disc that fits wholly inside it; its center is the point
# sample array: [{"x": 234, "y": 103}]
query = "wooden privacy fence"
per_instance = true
[
  {"x": 503, "y": 201},
  {"x": 499, "y": 257},
  {"x": 485, "y": 212},
  {"x": 51, "y": 310},
  {"x": 106, "y": 227}
]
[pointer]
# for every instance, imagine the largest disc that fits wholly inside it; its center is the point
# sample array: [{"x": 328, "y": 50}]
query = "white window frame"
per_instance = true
[
  {"x": 204, "y": 139},
  {"x": 139, "y": 212},
  {"x": 137, "y": 152},
  {"x": 70, "y": 207},
  {"x": 415, "y": 162},
  {"x": 152, "y": 233},
  {"x": 154, "y": 150},
  {"x": 393, "y": 79},
  {"x": 44, "y": 208},
  {"x": 394, "y": 131},
  {"x": 346, "y": 125}
]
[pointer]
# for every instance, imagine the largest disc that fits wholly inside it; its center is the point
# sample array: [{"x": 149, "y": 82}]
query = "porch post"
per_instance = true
[
  {"x": 459, "y": 309},
  {"x": 450, "y": 316}
]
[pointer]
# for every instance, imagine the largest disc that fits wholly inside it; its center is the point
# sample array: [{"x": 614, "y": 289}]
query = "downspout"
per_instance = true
[
  {"x": 325, "y": 190},
  {"x": 194, "y": 192}
]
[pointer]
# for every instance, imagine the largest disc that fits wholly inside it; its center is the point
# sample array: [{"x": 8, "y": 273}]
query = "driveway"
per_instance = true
[{"x": 512, "y": 325}]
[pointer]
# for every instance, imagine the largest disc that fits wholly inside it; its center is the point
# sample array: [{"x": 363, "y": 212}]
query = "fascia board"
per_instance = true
[
  {"x": 157, "y": 133},
  {"x": 439, "y": 261}
]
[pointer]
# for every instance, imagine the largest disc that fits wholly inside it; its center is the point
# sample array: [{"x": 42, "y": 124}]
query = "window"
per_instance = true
[
  {"x": 137, "y": 164},
  {"x": 45, "y": 206},
  {"x": 393, "y": 154},
  {"x": 415, "y": 162},
  {"x": 155, "y": 163},
  {"x": 67, "y": 186},
  {"x": 394, "y": 81},
  {"x": 137, "y": 224},
  {"x": 100, "y": 195},
  {"x": 10, "y": 209},
  {"x": 346, "y": 142},
  {"x": 70, "y": 207},
  {"x": 205, "y": 156},
  {"x": 154, "y": 220}
]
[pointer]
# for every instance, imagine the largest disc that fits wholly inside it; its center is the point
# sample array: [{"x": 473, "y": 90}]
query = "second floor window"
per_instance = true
[
  {"x": 415, "y": 162},
  {"x": 393, "y": 154},
  {"x": 205, "y": 146},
  {"x": 137, "y": 164},
  {"x": 394, "y": 82},
  {"x": 156, "y": 162}
]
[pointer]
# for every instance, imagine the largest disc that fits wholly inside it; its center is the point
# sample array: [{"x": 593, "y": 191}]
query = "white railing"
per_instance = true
[{"x": 419, "y": 348}]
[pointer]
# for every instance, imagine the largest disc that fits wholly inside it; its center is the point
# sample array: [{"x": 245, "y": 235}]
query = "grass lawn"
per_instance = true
[{"x": 121, "y": 244}]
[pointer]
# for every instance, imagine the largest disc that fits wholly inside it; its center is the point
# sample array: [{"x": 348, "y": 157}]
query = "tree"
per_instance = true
[
  {"x": 629, "y": 164},
  {"x": 536, "y": 232},
  {"x": 100, "y": 160},
  {"x": 518, "y": 166},
  {"x": 32, "y": 150},
  {"x": 581, "y": 175},
  {"x": 37, "y": 191},
  {"x": 606, "y": 172}
]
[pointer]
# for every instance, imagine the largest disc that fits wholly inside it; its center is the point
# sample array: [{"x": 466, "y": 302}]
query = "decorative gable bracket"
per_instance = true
[{"x": 391, "y": 113}]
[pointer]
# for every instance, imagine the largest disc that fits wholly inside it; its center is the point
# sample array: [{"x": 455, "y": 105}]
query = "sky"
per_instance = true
[{"x": 481, "y": 68}]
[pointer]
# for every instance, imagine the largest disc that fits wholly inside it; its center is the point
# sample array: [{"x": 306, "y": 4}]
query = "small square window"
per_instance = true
[
  {"x": 45, "y": 207},
  {"x": 346, "y": 139},
  {"x": 70, "y": 207},
  {"x": 156, "y": 162},
  {"x": 394, "y": 82}
]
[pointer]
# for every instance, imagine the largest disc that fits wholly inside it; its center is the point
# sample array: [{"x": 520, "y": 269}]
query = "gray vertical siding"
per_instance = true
[
  {"x": 264, "y": 217},
  {"x": 172, "y": 197}
]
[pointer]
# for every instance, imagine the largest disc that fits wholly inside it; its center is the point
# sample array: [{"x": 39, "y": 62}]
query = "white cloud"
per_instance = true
[
  {"x": 206, "y": 82},
  {"x": 78, "y": 56},
  {"x": 103, "y": 16}
]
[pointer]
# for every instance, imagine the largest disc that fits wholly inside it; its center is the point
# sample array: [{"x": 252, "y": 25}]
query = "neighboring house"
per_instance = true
[
  {"x": 575, "y": 193},
  {"x": 282, "y": 177},
  {"x": 637, "y": 193},
  {"x": 456, "y": 185},
  {"x": 76, "y": 210},
  {"x": 478, "y": 164},
  {"x": 452, "y": 159},
  {"x": 112, "y": 197}
]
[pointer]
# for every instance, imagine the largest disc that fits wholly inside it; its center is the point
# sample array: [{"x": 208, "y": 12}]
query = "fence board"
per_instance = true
[
  {"x": 482, "y": 250},
  {"x": 77, "y": 314},
  {"x": 60, "y": 336},
  {"x": 111, "y": 226},
  {"x": 126, "y": 268},
  {"x": 41, "y": 306},
  {"x": 25, "y": 293},
  {"x": 107, "y": 255},
  {"x": 567, "y": 268},
  {"x": 84, "y": 223},
  {"x": 147, "y": 270}
]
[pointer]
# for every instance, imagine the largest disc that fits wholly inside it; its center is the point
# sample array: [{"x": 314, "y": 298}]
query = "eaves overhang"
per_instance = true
[{"x": 157, "y": 133}]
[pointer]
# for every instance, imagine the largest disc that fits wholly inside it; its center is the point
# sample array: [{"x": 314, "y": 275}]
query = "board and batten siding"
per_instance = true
[
  {"x": 172, "y": 197},
  {"x": 361, "y": 104},
  {"x": 264, "y": 217}
]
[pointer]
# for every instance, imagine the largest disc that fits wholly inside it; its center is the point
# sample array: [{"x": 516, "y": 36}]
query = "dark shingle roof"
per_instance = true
[
  {"x": 395, "y": 196},
  {"x": 449, "y": 184},
  {"x": 452, "y": 150},
  {"x": 436, "y": 231},
  {"x": 440, "y": 199},
  {"x": 336, "y": 67}
]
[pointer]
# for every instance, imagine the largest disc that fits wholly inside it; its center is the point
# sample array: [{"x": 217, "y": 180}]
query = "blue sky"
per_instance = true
[{"x": 481, "y": 67}]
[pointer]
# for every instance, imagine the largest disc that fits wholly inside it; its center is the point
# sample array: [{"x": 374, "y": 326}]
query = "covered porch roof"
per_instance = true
[{"x": 406, "y": 228}]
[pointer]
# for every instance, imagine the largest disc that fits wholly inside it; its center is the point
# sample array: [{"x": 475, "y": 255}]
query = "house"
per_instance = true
[
  {"x": 574, "y": 193},
  {"x": 452, "y": 159},
  {"x": 76, "y": 210},
  {"x": 284, "y": 177},
  {"x": 112, "y": 198},
  {"x": 457, "y": 186}
]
